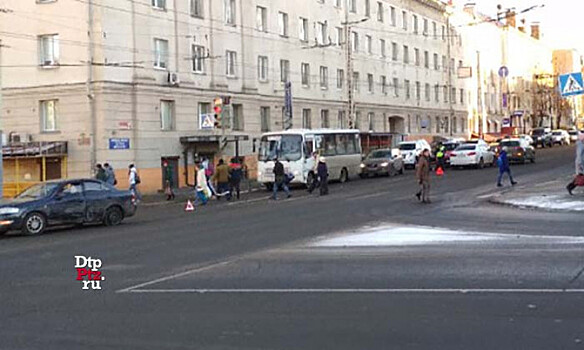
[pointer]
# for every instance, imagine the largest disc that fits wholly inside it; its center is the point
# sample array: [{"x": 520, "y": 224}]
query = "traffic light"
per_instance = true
[{"x": 218, "y": 108}]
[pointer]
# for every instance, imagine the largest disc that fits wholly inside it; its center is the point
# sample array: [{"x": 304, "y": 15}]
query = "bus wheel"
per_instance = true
[
  {"x": 310, "y": 180},
  {"x": 344, "y": 176}
]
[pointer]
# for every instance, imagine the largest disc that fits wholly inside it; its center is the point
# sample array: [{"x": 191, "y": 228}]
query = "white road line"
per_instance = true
[{"x": 359, "y": 290}]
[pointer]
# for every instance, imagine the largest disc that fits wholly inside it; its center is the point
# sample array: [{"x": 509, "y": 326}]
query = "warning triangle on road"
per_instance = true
[
  {"x": 189, "y": 206},
  {"x": 572, "y": 85}
]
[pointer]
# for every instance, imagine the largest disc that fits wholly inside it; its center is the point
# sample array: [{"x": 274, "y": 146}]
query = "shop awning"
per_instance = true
[{"x": 34, "y": 149}]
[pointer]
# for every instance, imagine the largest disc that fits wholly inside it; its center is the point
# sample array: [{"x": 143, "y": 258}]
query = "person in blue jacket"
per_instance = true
[{"x": 503, "y": 164}]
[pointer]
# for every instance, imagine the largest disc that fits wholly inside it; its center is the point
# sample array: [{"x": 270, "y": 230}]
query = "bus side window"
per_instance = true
[
  {"x": 308, "y": 148},
  {"x": 329, "y": 145},
  {"x": 352, "y": 144},
  {"x": 342, "y": 144}
]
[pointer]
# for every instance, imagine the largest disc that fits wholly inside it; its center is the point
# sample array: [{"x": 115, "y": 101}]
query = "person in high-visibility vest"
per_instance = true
[{"x": 440, "y": 156}]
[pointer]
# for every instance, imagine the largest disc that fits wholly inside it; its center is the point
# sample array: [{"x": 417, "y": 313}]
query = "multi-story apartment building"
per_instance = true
[
  {"x": 569, "y": 61},
  {"x": 129, "y": 81}
]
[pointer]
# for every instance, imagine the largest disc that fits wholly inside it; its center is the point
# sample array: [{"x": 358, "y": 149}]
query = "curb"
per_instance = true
[{"x": 498, "y": 200}]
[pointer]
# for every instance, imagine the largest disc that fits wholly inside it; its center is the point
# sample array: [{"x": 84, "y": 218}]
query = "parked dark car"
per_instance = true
[
  {"x": 542, "y": 137},
  {"x": 382, "y": 162},
  {"x": 65, "y": 202},
  {"x": 518, "y": 150}
]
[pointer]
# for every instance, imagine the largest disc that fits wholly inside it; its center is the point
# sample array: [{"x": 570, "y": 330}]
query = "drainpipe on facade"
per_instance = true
[
  {"x": 90, "y": 93},
  {"x": 450, "y": 72}
]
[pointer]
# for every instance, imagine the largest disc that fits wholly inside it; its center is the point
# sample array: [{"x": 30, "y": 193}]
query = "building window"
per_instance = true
[
  {"x": 197, "y": 8},
  {"x": 283, "y": 24},
  {"x": 370, "y": 83},
  {"x": 394, "y": 51},
  {"x": 230, "y": 61},
  {"x": 406, "y": 54},
  {"x": 438, "y": 125},
  {"x": 427, "y": 91},
  {"x": 324, "y": 119},
  {"x": 160, "y": 53},
  {"x": 444, "y": 64},
  {"x": 284, "y": 71},
  {"x": 434, "y": 30},
  {"x": 303, "y": 29},
  {"x": 455, "y": 125},
  {"x": 49, "y": 50},
  {"x": 380, "y": 11},
  {"x": 384, "y": 84},
  {"x": 417, "y": 56},
  {"x": 393, "y": 16},
  {"x": 436, "y": 67},
  {"x": 415, "y": 18},
  {"x": 159, "y": 4},
  {"x": 265, "y": 119},
  {"x": 238, "y": 122},
  {"x": 204, "y": 108},
  {"x": 340, "y": 78},
  {"x": 321, "y": 33},
  {"x": 369, "y": 42},
  {"x": 462, "y": 97},
  {"x": 323, "y": 77},
  {"x": 425, "y": 27},
  {"x": 418, "y": 90},
  {"x": 355, "y": 41},
  {"x": 339, "y": 3},
  {"x": 453, "y": 95},
  {"x": 445, "y": 90},
  {"x": 230, "y": 12},
  {"x": 426, "y": 59},
  {"x": 395, "y": 87},
  {"x": 340, "y": 36},
  {"x": 306, "y": 118},
  {"x": 356, "y": 82},
  {"x": 371, "y": 121},
  {"x": 263, "y": 68},
  {"x": 407, "y": 89},
  {"x": 443, "y": 33},
  {"x": 437, "y": 93},
  {"x": 166, "y": 115},
  {"x": 367, "y": 8},
  {"x": 353, "y": 6},
  {"x": 341, "y": 120},
  {"x": 261, "y": 19},
  {"x": 198, "y": 59},
  {"x": 357, "y": 120},
  {"x": 48, "y": 115},
  {"x": 382, "y": 47},
  {"x": 404, "y": 20},
  {"x": 305, "y": 73}
]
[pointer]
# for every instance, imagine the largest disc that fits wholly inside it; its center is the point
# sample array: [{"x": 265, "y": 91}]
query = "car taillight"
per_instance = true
[
  {"x": 453, "y": 154},
  {"x": 472, "y": 154}
]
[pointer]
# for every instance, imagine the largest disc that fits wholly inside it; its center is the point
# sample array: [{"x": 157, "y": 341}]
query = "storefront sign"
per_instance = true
[{"x": 119, "y": 143}]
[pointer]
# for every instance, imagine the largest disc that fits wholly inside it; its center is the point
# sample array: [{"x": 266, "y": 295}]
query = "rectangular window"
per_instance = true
[
  {"x": 418, "y": 90},
  {"x": 445, "y": 90},
  {"x": 437, "y": 93},
  {"x": 339, "y": 3},
  {"x": 159, "y": 4},
  {"x": 406, "y": 54},
  {"x": 321, "y": 33},
  {"x": 434, "y": 30},
  {"x": 426, "y": 59},
  {"x": 166, "y": 115},
  {"x": 265, "y": 119},
  {"x": 443, "y": 33},
  {"x": 341, "y": 120},
  {"x": 353, "y": 6},
  {"x": 357, "y": 120},
  {"x": 425, "y": 27},
  {"x": 382, "y": 47},
  {"x": 340, "y": 78},
  {"x": 261, "y": 19},
  {"x": 160, "y": 53},
  {"x": 48, "y": 111},
  {"x": 262, "y": 68},
  {"x": 284, "y": 71},
  {"x": 49, "y": 50},
  {"x": 371, "y": 121},
  {"x": 305, "y": 73},
  {"x": 380, "y": 11},
  {"x": 453, "y": 95},
  {"x": 427, "y": 92},
  {"x": 340, "y": 36},
  {"x": 436, "y": 67},
  {"x": 461, "y": 96},
  {"x": 238, "y": 122},
  {"x": 306, "y": 118},
  {"x": 198, "y": 59},
  {"x": 407, "y": 89},
  {"x": 204, "y": 108},
  {"x": 356, "y": 82},
  {"x": 395, "y": 87},
  {"x": 283, "y": 24},
  {"x": 370, "y": 83},
  {"x": 393, "y": 16},
  {"x": 197, "y": 8},
  {"x": 415, "y": 18},
  {"x": 324, "y": 119},
  {"x": 229, "y": 12},
  {"x": 369, "y": 42},
  {"x": 303, "y": 29},
  {"x": 444, "y": 64},
  {"x": 404, "y": 20},
  {"x": 323, "y": 77},
  {"x": 355, "y": 41},
  {"x": 384, "y": 84},
  {"x": 417, "y": 56},
  {"x": 394, "y": 51},
  {"x": 230, "y": 63},
  {"x": 367, "y": 8}
]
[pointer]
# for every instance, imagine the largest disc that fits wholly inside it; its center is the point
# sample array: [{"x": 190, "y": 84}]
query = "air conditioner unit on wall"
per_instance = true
[
  {"x": 15, "y": 137},
  {"x": 173, "y": 79}
]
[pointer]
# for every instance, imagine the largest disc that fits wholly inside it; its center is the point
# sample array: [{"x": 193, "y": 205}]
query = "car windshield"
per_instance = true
[
  {"x": 557, "y": 133},
  {"x": 451, "y": 146},
  {"x": 407, "y": 146},
  {"x": 573, "y": 132},
  {"x": 537, "y": 132},
  {"x": 38, "y": 191},
  {"x": 284, "y": 147},
  {"x": 466, "y": 148},
  {"x": 379, "y": 154},
  {"x": 510, "y": 144}
]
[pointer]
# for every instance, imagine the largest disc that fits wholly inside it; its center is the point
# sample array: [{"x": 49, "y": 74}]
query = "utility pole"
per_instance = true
[
  {"x": 479, "y": 95},
  {"x": 1, "y": 131}
]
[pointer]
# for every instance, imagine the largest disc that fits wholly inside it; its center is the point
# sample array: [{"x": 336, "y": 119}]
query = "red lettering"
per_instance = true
[
  {"x": 95, "y": 275},
  {"x": 82, "y": 272}
]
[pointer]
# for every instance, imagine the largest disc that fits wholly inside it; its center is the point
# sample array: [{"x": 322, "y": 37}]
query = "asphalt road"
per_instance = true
[{"x": 460, "y": 273}]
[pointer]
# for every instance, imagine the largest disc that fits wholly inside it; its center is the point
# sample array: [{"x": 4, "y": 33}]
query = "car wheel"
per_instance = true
[
  {"x": 532, "y": 159},
  {"x": 310, "y": 180},
  {"x": 362, "y": 175},
  {"x": 113, "y": 216},
  {"x": 344, "y": 176},
  {"x": 34, "y": 224},
  {"x": 3, "y": 231},
  {"x": 401, "y": 170},
  {"x": 481, "y": 164}
]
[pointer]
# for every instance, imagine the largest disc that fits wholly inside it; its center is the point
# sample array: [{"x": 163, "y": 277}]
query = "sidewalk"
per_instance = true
[{"x": 547, "y": 196}]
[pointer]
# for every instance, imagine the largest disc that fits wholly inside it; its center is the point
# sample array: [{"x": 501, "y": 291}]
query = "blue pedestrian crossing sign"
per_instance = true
[{"x": 571, "y": 84}]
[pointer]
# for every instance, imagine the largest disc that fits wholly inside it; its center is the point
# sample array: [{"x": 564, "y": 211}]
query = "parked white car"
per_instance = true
[
  {"x": 527, "y": 139},
  {"x": 409, "y": 150},
  {"x": 573, "y": 135},
  {"x": 560, "y": 137},
  {"x": 472, "y": 154}
]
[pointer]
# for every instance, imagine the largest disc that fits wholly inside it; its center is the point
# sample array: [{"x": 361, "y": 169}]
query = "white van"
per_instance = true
[{"x": 409, "y": 150}]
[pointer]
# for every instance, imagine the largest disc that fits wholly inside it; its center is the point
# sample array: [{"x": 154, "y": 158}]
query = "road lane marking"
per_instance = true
[{"x": 361, "y": 291}]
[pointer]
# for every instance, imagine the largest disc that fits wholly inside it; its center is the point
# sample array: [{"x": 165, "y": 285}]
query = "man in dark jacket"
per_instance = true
[
  {"x": 322, "y": 171},
  {"x": 279, "y": 179},
  {"x": 221, "y": 177},
  {"x": 100, "y": 173},
  {"x": 423, "y": 176},
  {"x": 235, "y": 176},
  {"x": 503, "y": 164}
]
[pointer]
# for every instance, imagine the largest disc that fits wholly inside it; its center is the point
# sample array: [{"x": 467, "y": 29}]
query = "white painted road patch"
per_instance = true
[{"x": 554, "y": 202}]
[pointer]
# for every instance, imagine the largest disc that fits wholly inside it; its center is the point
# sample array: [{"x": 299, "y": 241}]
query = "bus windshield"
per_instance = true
[{"x": 283, "y": 147}]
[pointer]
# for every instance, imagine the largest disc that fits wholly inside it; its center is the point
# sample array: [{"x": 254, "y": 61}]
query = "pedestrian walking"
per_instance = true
[
  {"x": 100, "y": 173},
  {"x": 168, "y": 180},
  {"x": 203, "y": 193},
  {"x": 134, "y": 180},
  {"x": 314, "y": 184},
  {"x": 503, "y": 164},
  {"x": 322, "y": 172},
  {"x": 423, "y": 176},
  {"x": 221, "y": 178},
  {"x": 235, "y": 176},
  {"x": 279, "y": 180},
  {"x": 579, "y": 163},
  {"x": 110, "y": 174}
]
